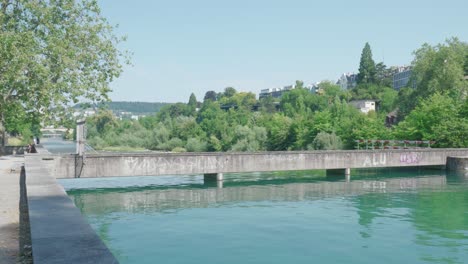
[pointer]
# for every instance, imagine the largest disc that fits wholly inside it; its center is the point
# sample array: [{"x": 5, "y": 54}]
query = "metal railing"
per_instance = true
[{"x": 392, "y": 144}]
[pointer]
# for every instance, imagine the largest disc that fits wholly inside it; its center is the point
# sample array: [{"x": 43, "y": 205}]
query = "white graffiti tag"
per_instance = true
[{"x": 375, "y": 160}]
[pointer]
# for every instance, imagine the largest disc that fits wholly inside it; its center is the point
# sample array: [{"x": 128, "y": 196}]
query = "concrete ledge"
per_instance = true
[
  {"x": 140, "y": 164},
  {"x": 59, "y": 233}
]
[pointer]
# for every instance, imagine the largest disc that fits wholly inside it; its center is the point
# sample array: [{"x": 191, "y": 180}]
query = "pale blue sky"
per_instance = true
[{"x": 182, "y": 47}]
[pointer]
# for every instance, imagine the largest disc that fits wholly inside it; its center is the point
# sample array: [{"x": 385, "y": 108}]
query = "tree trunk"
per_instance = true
[{"x": 2, "y": 123}]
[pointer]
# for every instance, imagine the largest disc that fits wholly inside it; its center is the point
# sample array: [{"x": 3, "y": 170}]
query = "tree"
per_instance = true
[
  {"x": 466, "y": 65},
  {"x": 192, "y": 104},
  {"x": 440, "y": 69},
  {"x": 331, "y": 90},
  {"x": 229, "y": 92},
  {"x": 325, "y": 141},
  {"x": 210, "y": 95},
  {"x": 54, "y": 53},
  {"x": 439, "y": 118},
  {"x": 383, "y": 75},
  {"x": 173, "y": 111},
  {"x": 299, "y": 84},
  {"x": 104, "y": 121},
  {"x": 278, "y": 129},
  {"x": 267, "y": 104},
  {"x": 367, "y": 70}
]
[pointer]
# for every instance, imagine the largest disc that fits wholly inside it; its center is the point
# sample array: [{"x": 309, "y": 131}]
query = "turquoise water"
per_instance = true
[{"x": 378, "y": 217}]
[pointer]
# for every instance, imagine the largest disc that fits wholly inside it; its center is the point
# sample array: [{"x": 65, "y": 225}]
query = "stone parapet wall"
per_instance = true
[
  {"x": 109, "y": 165},
  {"x": 12, "y": 150}
]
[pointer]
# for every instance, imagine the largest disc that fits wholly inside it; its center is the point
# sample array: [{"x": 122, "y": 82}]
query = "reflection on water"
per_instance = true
[{"x": 281, "y": 218}]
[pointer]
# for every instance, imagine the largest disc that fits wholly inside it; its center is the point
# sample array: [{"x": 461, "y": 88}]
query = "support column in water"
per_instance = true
[
  {"x": 340, "y": 172},
  {"x": 213, "y": 177},
  {"x": 348, "y": 174}
]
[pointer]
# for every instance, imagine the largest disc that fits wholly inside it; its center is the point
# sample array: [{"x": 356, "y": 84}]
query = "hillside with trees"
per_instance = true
[{"x": 437, "y": 109}]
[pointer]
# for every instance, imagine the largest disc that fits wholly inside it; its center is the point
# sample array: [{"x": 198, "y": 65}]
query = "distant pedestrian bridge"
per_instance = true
[{"x": 110, "y": 165}]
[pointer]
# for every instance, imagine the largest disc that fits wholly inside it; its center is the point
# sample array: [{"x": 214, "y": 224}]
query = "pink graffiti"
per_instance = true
[{"x": 410, "y": 158}]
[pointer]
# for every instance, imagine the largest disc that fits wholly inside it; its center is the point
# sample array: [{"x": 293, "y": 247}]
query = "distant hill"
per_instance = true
[{"x": 134, "y": 107}]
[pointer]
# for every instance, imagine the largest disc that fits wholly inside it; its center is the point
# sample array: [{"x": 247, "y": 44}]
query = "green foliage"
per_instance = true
[
  {"x": 210, "y": 96},
  {"x": 326, "y": 141},
  {"x": 370, "y": 126},
  {"x": 367, "y": 70},
  {"x": 299, "y": 85},
  {"x": 439, "y": 69},
  {"x": 192, "y": 104},
  {"x": 159, "y": 136},
  {"x": 383, "y": 75},
  {"x": 388, "y": 99},
  {"x": 440, "y": 118},
  {"x": 267, "y": 105},
  {"x": 229, "y": 92},
  {"x": 54, "y": 53},
  {"x": 249, "y": 139},
  {"x": 279, "y": 137},
  {"x": 465, "y": 67},
  {"x": 178, "y": 150},
  {"x": 196, "y": 145}
]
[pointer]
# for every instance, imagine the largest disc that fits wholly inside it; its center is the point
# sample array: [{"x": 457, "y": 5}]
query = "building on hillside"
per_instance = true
[
  {"x": 365, "y": 106},
  {"x": 275, "y": 92},
  {"x": 401, "y": 78},
  {"x": 84, "y": 112},
  {"x": 347, "y": 81}
]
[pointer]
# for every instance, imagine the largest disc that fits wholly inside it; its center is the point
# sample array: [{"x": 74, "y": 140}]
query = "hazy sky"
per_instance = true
[{"x": 182, "y": 47}]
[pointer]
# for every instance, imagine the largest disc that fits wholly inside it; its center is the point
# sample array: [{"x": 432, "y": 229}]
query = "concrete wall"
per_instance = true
[
  {"x": 12, "y": 150},
  {"x": 109, "y": 165},
  {"x": 59, "y": 233},
  {"x": 457, "y": 163}
]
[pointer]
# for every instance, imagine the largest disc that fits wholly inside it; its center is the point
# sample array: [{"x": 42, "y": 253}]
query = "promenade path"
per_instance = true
[{"x": 10, "y": 169}]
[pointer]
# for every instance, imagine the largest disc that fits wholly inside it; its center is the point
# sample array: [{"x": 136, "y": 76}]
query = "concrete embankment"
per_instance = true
[
  {"x": 59, "y": 233},
  {"x": 10, "y": 168}
]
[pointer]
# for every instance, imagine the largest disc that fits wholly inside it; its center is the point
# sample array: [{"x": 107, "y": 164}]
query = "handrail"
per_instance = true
[{"x": 392, "y": 144}]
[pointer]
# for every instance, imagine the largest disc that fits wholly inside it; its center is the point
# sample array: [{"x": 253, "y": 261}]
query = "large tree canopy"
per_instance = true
[
  {"x": 437, "y": 69},
  {"x": 54, "y": 52},
  {"x": 440, "y": 68}
]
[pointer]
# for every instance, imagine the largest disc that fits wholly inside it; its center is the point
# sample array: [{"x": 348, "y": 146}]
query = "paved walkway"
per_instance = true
[{"x": 10, "y": 168}]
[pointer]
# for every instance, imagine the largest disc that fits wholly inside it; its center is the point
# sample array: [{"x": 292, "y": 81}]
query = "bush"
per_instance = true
[
  {"x": 195, "y": 145},
  {"x": 159, "y": 136},
  {"x": 326, "y": 141},
  {"x": 178, "y": 149}
]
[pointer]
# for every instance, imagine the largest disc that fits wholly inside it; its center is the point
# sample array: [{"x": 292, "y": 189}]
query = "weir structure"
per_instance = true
[
  {"x": 60, "y": 234},
  {"x": 214, "y": 165}
]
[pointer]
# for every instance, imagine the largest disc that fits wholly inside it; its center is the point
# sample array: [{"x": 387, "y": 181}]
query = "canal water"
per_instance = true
[
  {"x": 59, "y": 146},
  {"x": 385, "y": 216}
]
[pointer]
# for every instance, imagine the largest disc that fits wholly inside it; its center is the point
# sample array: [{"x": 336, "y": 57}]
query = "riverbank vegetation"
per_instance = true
[{"x": 436, "y": 109}]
